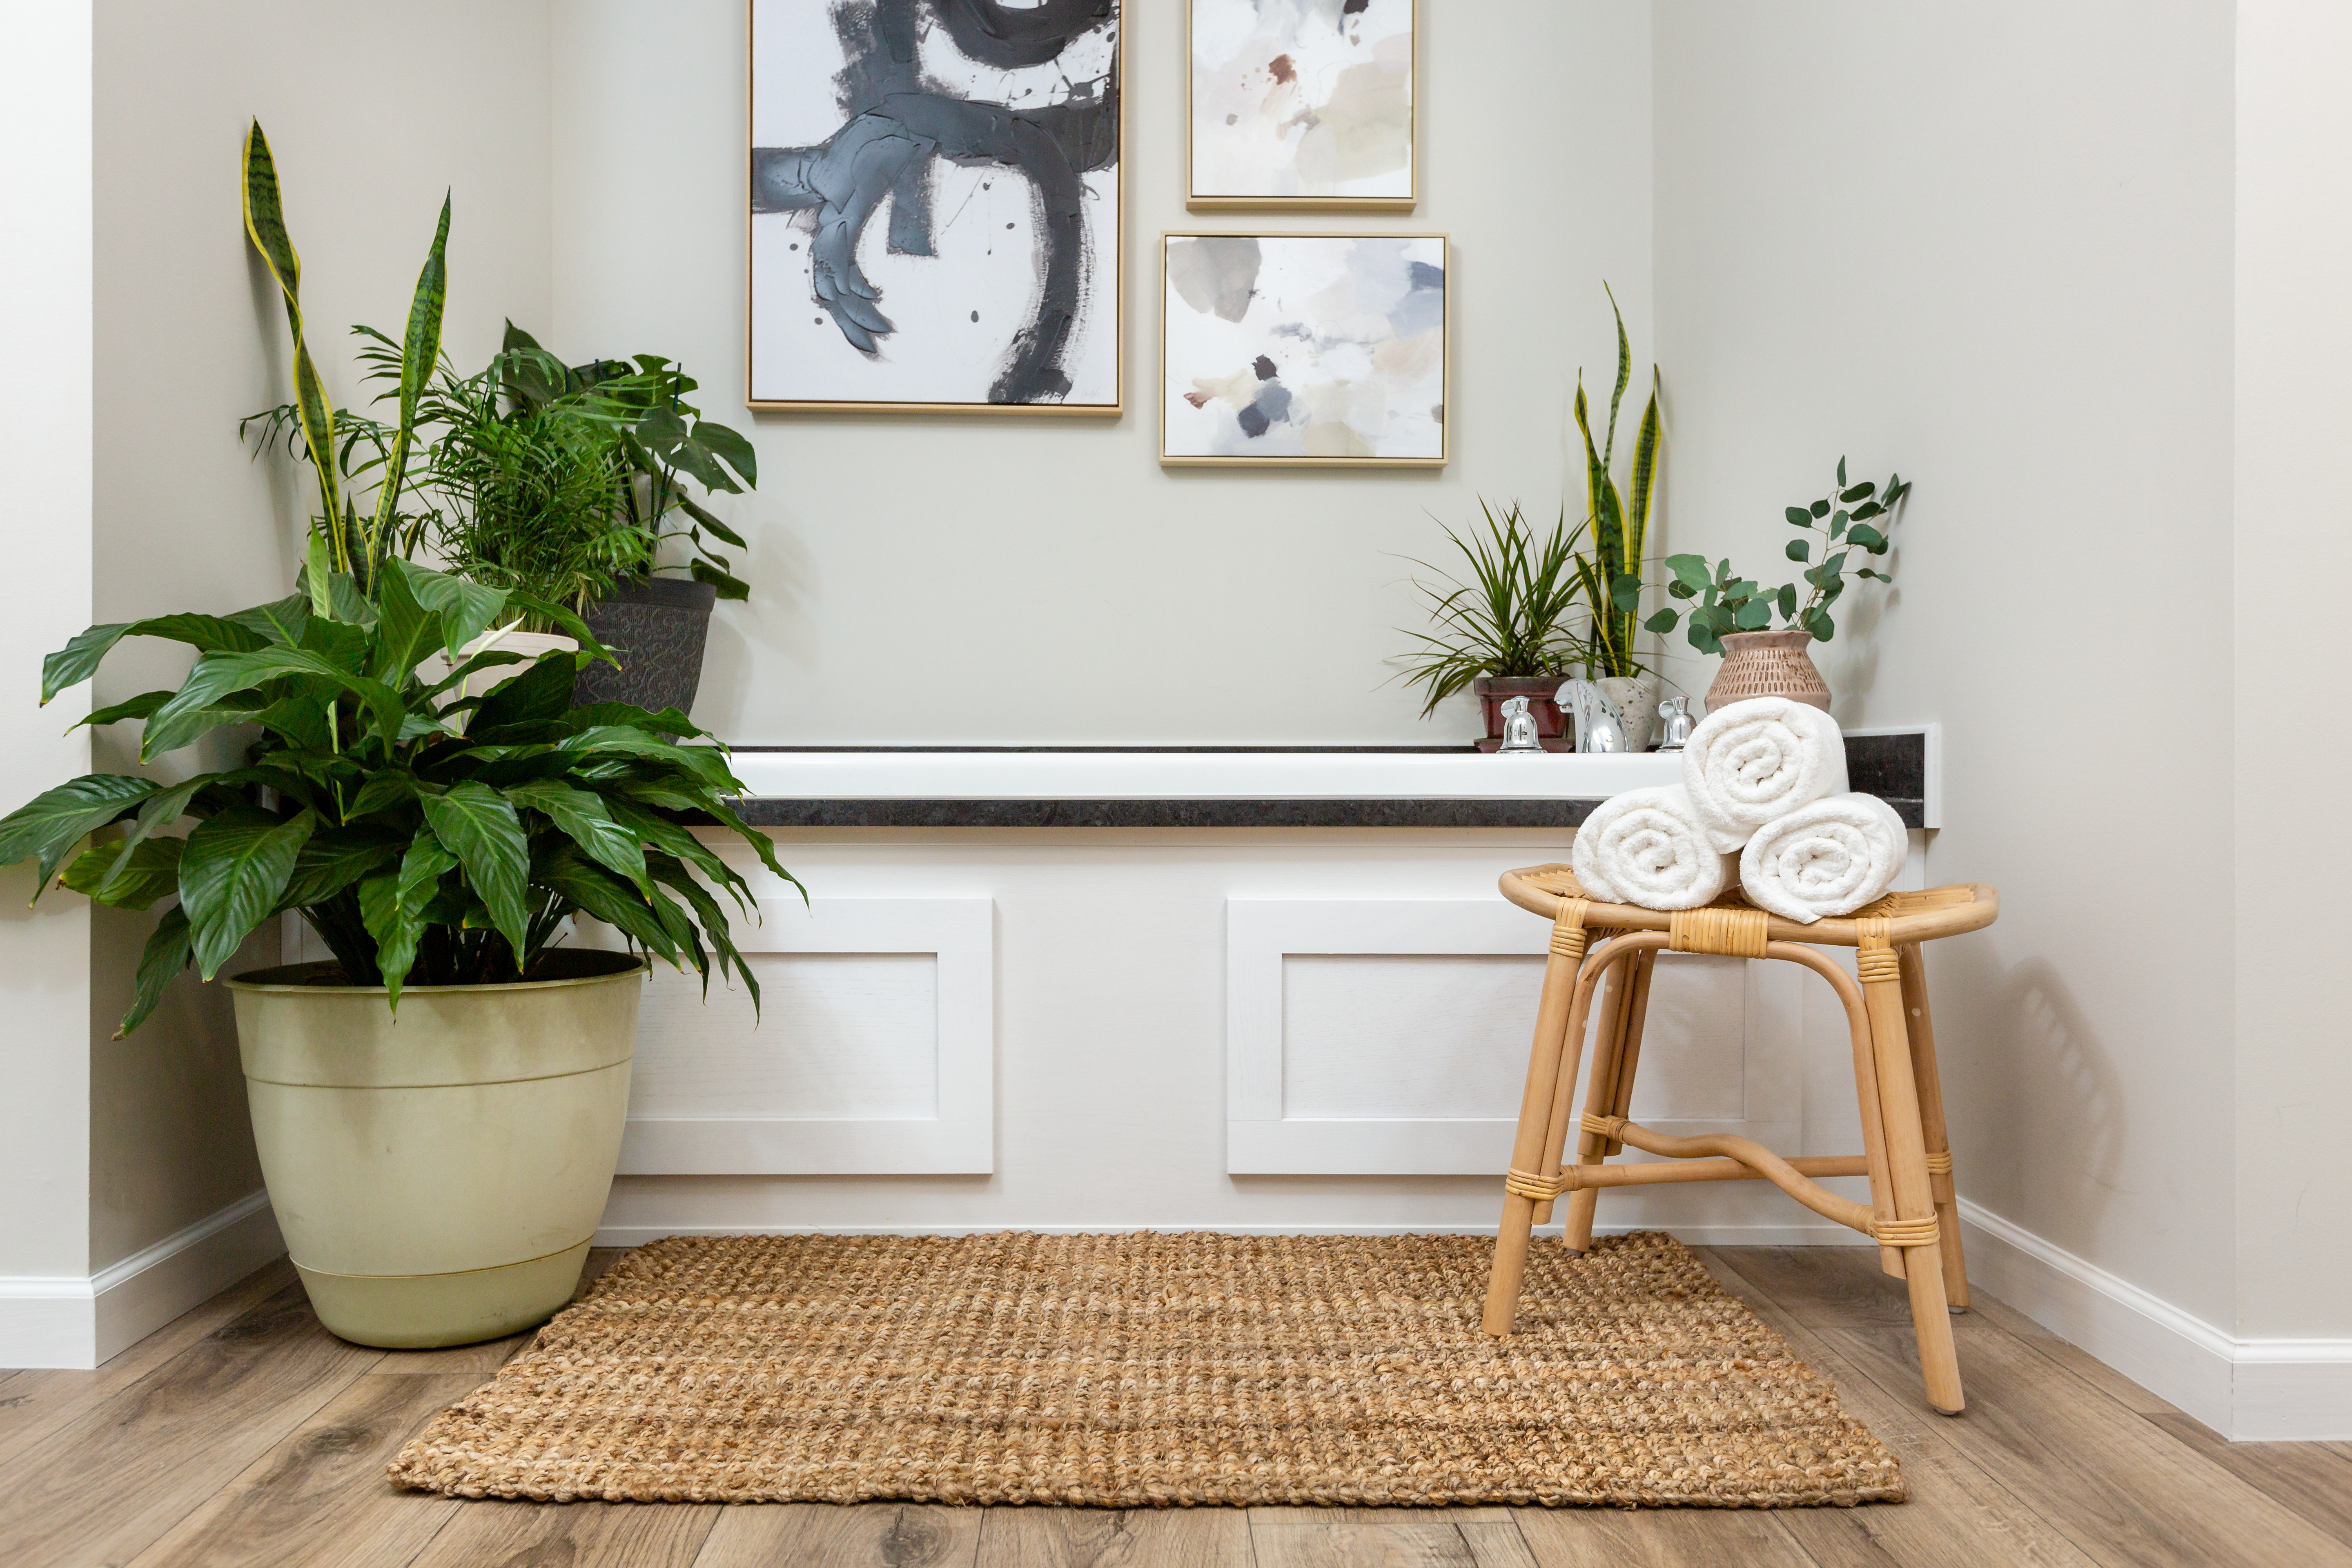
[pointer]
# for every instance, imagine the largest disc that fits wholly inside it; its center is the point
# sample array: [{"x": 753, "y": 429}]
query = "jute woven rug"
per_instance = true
[{"x": 1149, "y": 1369}]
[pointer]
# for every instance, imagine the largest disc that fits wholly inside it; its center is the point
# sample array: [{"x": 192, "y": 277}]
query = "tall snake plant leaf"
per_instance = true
[
  {"x": 265, "y": 223},
  {"x": 1624, "y": 376},
  {"x": 1645, "y": 479},
  {"x": 232, "y": 874},
  {"x": 420, "y": 352}
]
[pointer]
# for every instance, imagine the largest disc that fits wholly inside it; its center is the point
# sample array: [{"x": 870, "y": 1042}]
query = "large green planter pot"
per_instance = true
[{"x": 439, "y": 1174}]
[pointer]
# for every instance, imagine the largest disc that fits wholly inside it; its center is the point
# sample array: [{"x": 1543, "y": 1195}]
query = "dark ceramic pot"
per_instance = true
[{"x": 656, "y": 626}]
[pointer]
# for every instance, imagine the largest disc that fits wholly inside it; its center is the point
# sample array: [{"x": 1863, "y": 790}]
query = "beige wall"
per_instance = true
[
  {"x": 2293, "y": 526},
  {"x": 372, "y": 111},
  {"x": 1990, "y": 245},
  {"x": 45, "y": 443},
  {"x": 975, "y": 580}
]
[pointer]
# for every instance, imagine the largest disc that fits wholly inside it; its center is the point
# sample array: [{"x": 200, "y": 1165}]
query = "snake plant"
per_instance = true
[{"x": 1610, "y": 577}]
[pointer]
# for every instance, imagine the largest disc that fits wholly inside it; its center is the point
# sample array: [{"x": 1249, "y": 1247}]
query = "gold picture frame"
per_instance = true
[
  {"x": 1113, "y": 293},
  {"x": 1445, "y": 360},
  {"x": 1194, "y": 201}
]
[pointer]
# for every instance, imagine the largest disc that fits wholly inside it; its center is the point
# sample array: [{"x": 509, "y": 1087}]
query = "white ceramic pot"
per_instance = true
[
  {"x": 439, "y": 1174},
  {"x": 1632, "y": 701}
]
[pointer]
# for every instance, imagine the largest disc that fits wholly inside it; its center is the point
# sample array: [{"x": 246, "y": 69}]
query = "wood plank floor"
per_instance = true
[{"x": 245, "y": 1436}]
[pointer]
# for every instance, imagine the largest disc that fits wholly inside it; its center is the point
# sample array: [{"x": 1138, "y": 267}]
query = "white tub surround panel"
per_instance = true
[
  {"x": 1390, "y": 1036},
  {"x": 1350, "y": 773},
  {"x": 873, "y": 1050}
]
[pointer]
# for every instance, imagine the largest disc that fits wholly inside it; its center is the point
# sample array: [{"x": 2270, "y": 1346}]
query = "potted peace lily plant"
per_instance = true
[{"x": 438, "y": 1108}]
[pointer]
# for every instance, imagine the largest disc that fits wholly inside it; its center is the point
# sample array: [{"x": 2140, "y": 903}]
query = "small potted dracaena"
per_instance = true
[
  {"x": 1733, "y": 615},
  {"x": 438, "y": 1109},
  {"x": 1503, "y": 633}
]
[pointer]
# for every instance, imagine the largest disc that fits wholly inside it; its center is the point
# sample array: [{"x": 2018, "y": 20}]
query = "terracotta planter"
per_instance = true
[
  {"x": 1552, "y": 724},
  {"x": 1768, "y": 664}
]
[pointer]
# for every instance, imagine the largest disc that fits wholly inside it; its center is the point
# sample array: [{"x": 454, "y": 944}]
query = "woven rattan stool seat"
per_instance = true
[{"x": 1912, "y": 1214}]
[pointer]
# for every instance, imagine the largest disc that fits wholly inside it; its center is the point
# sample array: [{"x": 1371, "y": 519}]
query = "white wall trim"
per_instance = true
[
  {"x": 2247, "y": 1390},
  {"x": 69, "y": 1321},
  {"x": 961, "y": 1139}
]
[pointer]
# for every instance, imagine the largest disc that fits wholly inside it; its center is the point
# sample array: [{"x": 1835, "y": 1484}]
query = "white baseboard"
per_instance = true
[
  {"x": 1690, "y": 1235},
  {"x": 68, "y": 1320},
  {"x": 2247, "y": 1390}
]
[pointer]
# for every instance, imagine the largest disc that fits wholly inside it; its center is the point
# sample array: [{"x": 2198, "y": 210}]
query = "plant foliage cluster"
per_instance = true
[
  {"x": 1851, "y": 521},
  {"x": 430, "y": 831}
]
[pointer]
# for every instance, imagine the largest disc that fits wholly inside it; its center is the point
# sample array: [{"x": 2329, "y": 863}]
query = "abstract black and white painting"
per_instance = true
[
  {"x": 1302, "y": 103},
  {"x": 1303, "y": 349},
  {"x": 935, "y": 205}
]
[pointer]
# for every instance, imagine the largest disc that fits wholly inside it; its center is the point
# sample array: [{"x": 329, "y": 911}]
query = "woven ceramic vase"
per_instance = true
[{"x": 1768, "y": 664}]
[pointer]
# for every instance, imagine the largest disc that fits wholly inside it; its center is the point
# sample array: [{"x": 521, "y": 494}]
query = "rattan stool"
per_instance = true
[{"x": 1905, "y": 1152}]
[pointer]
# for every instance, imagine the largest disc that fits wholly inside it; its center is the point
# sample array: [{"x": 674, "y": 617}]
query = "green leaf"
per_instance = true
[
  {"x": 393, "y": 907},
  {"x": 318, "y": 574},
  {"x": 160, "y": 809},
  {"x": 235, "y": 867},
  {"x": 1860, "y": 492},
  {"x": 280, "y": 621},
  {"x": 217, "y": 675},
  {"x": 1866, "y": 571},
  {"x": 540, "y": 693},
  {"x": 405, "y": 630},
  {"x": 608, "y": 899},
  {"x": 1820, "y": 509},
  {"x": 160, "y": 963},
  {"x": 1821, "y": 626},
  {"x": 1625, "y": 593},
  {"x": 420, "y": 352},
  {"x": 730, "y": 586},
  {"x": 333, "y": 858},
  {"x": 1663, "y": 621},
  {"x": 1755, "y": 615},
  {"x": 1690, "y": 570},
  {"x": 467, "y": 609},
  {"x": 1786, "y": 601},
  {"x": 1800, "y": 517},
  {"x": 1800, "y": 550},
  {"x": 78, "y": 659},
  {"x": 54, "y": 821},
  {"x": 702, "y": 515},
  {"x": 475, "y": 820},
  {"x": 731, "y": 449},
  {"x": 668, "y": 722},
  {"x": 1703, "y": 637},
  {"x": 137, "y": 707},
  {"x": 265, "y": 225},
  {"x": 580, "y": 815},
  {"x": 1867, "y": 538},
  {"x": 1837, "y": 528},
  {"x": 133, "y": 880},
  {"x": 1841, "y": 469},
  {"x": 1867, "y": 511}
]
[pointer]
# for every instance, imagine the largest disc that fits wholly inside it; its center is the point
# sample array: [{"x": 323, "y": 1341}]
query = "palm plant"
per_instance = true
[
  {"x": 1610, "y": 577},
  {"x": 1509, "y": 619}
]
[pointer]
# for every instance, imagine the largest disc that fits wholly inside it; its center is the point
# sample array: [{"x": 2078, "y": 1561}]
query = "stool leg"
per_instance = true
[
  {"x": 1608, "y": 1035},
  {"x": 1559, "y": 1042},
  {"x": 1610, "y": 1092},
  {"x": 1907, "y": 1160},
  {"x": 1921, "y": 1023}
]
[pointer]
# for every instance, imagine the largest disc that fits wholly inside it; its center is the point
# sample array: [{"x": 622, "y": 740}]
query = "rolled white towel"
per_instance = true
[
  {"x": 1755, "y": 762},
  {"x": 1830, "y": 857},
  {"x": 1645, "y": 848}
]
